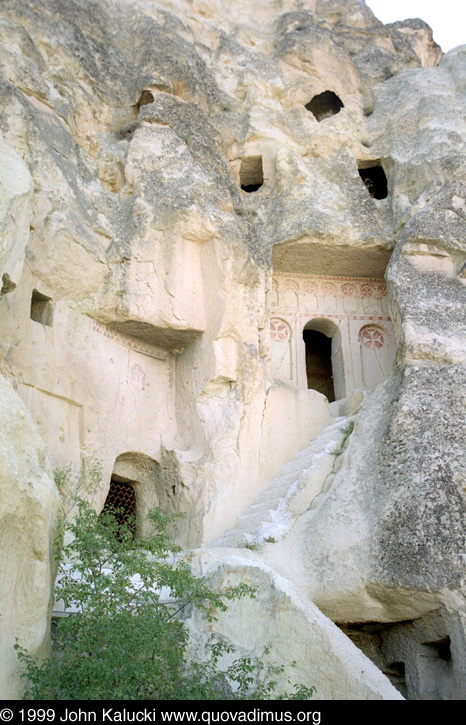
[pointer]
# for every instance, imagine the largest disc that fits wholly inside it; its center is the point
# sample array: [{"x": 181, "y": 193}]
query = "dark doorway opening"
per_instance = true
[
  {"x": 121, "y": 502},
  {"x": 319, "y": 363},
  {"x": 251, "y": 173},
  {"x": 375, "y": 180},
  {"x": 324, "y": 105}
]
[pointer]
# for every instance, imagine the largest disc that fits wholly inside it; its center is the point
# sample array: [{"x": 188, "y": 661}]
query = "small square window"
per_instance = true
[
  {"x": 41, "y": 308},
  {"x": 251, "y": 173}
]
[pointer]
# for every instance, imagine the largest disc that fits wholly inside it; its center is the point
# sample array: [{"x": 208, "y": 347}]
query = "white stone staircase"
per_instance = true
[{"x": 272, "y": 514}]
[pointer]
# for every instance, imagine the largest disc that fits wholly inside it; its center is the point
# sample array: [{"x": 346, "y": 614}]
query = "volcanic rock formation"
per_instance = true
[{"x": 227, "y": 232}]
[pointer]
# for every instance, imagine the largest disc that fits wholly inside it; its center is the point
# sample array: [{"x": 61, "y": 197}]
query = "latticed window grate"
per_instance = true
[{"x": 122, "y": 499}]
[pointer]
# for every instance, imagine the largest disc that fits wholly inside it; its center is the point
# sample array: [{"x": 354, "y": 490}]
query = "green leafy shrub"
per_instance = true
[{"x": 125, "y": 638}]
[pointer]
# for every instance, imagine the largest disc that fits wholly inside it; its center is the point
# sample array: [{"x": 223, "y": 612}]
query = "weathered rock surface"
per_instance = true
[
  {"x": 285, "y": 622},
  {"x": 138, "y": 332},
  {"x": 15, "y": 197},
  {"x": 28, "y": 510}
]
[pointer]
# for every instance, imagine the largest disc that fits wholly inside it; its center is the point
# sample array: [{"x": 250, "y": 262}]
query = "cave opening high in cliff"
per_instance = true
[
  {"x": 41, "y": 308},
  {"x": 145, "y": 98},
  {"x": 374, "y": 178},
  {"x": 325, "y": 105},
  {"x": 251, "y": 173}
]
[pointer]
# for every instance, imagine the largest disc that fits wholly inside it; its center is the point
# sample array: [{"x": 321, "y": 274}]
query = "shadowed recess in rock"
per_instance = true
[
  {"x": 251, "y": 173},
  {"x": 375, "y": 179},
  {"x": 145, "y": 98},
  {"x": 319, "y": 363},
  {"x": 41, "y": 308},
  {"x": 420, "y": 669},
  {"x": 325, "y": 105}
]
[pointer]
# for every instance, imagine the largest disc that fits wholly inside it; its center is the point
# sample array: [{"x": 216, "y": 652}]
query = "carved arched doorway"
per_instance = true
[
  {"x": 136, "y": 486},
  {"x": 324, "y": 362}
]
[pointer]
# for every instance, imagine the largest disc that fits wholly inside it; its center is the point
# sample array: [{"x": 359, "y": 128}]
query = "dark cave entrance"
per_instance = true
[
  {"x": 319, "y": 369},
  {"x": 375, "y": 180},
  {"x": 251, "y": 174},
  {"x": 325, "y": 105}
]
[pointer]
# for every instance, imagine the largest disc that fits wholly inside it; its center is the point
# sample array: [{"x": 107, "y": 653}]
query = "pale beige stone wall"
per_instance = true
[
  {"x": 292, "y": 417},
  {"x": 166, "y": 333},
  {"x": 28, "y": 511},
  {"x": 77, "y": 374},
  {"x": 15, "y": 208}
]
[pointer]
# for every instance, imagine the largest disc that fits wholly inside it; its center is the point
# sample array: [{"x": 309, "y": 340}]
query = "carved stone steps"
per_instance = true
[{"x": 290, "y": 493}]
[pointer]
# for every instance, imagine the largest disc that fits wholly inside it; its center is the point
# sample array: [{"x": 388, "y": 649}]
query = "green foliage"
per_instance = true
[
  {"x": 388, "y": 72},
  {"x": 73, "y": 487},
  {"x": 251, "y": 545},
  {"x": 347, "y": 430},
  {"x": 126, "y": 638}
]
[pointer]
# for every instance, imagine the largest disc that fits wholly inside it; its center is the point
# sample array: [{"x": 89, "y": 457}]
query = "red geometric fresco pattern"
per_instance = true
[
  {"x": 348, "y": 290},
  {"x": 372, "y": 337},
  {"x": 343, "y": 288},
  {"x": 367, "y": 290},
  {"x": 279, "y": 332}
]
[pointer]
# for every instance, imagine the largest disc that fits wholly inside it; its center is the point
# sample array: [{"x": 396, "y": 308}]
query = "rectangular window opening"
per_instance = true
[{"x": 251, "y": 173}]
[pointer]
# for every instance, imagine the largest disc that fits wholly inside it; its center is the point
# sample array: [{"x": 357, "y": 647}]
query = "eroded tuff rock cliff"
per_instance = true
[{"x": 184, "y": 188}]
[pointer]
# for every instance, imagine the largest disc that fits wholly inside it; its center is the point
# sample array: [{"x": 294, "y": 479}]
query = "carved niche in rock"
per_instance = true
[{"x": 332, "y": 334}]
